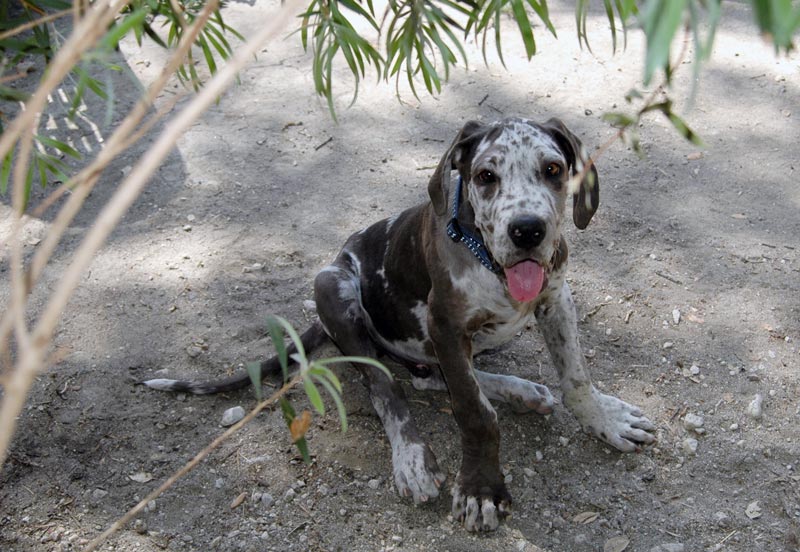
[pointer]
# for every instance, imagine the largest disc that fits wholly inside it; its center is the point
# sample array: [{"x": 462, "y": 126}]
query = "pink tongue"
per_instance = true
[{"x": 525, "y": 280}]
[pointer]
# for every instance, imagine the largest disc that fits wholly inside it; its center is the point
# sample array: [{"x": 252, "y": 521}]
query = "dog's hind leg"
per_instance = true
[{"x": 416, "y": 472}]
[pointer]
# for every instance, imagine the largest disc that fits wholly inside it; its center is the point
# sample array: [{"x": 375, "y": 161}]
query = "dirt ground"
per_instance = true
[{"x": 265, "y": 188}]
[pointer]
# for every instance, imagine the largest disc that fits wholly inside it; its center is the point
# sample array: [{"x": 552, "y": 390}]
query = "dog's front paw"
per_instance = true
[
  {"x": 621, "y": 425},
  {"x": 416, "y": 472},
  {"x": 480, "y": 509}
]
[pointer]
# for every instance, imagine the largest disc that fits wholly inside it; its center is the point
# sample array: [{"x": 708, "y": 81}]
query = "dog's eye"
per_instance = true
[
  {"x": 486, "y": 177},
  {"x": 553, "y": 169}
]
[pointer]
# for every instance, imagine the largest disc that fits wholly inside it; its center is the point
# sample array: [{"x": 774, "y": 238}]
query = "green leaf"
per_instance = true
[
  {"x": 337, "y": 399},
  {"x": 254, "y": 371},
  {"x": 619, "y": 120},
  {"x": 357, "y": 360},
  {"x": 5, "y": 171},
  {"x": 313, "y": 395},
  {"x": 683, "y": 129},
  {"x": 60, "y": 146},
  {"x": 289, "y": 415},
  {"x": 660, "y": 22},
  {"x": 276, "y": 334},
  {"x": 122, "y": 28},
  {"x": 524, "y": 25}
]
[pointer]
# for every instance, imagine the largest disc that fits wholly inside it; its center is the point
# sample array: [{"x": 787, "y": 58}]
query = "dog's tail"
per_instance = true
[{"x": 311, "y": 339}]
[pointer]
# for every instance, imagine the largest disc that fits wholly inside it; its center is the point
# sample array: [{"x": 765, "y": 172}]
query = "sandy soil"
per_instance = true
[{"x": 262, "y": 192}]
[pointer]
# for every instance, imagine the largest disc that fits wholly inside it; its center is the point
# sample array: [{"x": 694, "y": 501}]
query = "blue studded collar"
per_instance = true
[{"x": 474, "y": 243}]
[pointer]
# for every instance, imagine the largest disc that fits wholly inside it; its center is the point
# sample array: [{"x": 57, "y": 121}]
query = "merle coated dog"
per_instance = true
[{"x": 465, "y": 272}]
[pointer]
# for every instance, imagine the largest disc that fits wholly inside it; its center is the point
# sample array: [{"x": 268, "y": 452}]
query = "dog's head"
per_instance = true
[{"x": 517, "y": 176}]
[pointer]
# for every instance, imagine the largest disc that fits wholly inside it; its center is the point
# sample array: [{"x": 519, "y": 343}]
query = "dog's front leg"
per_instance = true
[
  {"x": 610, "y": 419},
  {"x": 480, "y": 497}
]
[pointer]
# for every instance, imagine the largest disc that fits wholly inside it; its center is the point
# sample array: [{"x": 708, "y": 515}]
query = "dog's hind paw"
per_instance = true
[
  {"x": 480, "y": 513},
  {"x": 416, "y": 472}
]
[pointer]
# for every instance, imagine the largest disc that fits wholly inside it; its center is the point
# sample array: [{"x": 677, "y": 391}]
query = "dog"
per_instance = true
[{"x": 464, "y": 273}]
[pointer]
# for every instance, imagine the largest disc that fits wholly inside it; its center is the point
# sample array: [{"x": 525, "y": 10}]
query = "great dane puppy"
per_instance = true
[{"x": 441, "y": 282}]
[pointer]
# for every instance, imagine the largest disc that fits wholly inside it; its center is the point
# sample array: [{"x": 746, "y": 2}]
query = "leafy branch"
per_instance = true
[{"x": 312, "y": 373}]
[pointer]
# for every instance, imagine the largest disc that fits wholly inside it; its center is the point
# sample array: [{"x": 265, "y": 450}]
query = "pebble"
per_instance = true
[
  {"x": 528, "y": 472},
  {"x": 187, "y": 227},
  {"x": 373, "y": 484},
  {"x": 289, "y": 496},
  {"x": 539, "y": 456},
  {"x": 324, "y": 490},
  {"x": 219, "y": 483},
  {"x": 563, "y": 441},
  {"x": 754, "y": 408},
  {"x": 140, "y": 526},
  {"x": 99, "y": 494},
  {"x": 722, "y": 519},
  {"x": 690, "y": 446},
  {"x": 267, "y": 500},
  {"x": 193, "y": 351},
  {"x": 508, "y": 479},
  {"x": 676, "y": 316},
  {"x": 694, "y": 370},
  {"x": 734, "y": 427},
  {"x": 668, "y": 344},
  {"x": 693, "y": 422},
  {"x": 669, "y": 547},
  {"x": 232, "y": 415}
]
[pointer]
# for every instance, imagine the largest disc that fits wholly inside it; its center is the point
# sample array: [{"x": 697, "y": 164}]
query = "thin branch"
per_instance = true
[{"x": 31, "y": 24}]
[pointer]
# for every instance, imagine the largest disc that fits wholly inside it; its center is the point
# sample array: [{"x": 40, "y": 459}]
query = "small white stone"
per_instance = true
[
  {"x": 563, "y": 441},
  {"x": 528, "y": 472},
  {"x": 754, "y": 409},
  {"x": 676, "y": 316},
  {"x": 373, "y": 483},
  {"x": 734, "y": 427},
  {"x": 539, "y": 456},
  {"x": 693, "y": 421},
  {"x": 289, "y": 496},
  {"x": 668, "y": 344},
  {"x": 190, "y": 218},
  {"x": 694, "y": 370},
  {"x": 690, "y": 446},
  {"x": 232, "y": 415}
]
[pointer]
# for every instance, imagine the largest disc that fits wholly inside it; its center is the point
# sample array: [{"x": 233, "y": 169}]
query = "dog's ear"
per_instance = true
[
  {"x": 456, "y": 157},
  {"x": 586, "y": 193}
]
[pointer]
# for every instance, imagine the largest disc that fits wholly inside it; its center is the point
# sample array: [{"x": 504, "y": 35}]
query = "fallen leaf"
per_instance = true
[
  {"x": 616, "y": 544},
  {"x": 238, "y": 500},
  {"x": 753, "y": 510},
  {"x": 300, "y": 425},
  {"x": 141, "y": 477},
  {"x": 586, "y": 517}
]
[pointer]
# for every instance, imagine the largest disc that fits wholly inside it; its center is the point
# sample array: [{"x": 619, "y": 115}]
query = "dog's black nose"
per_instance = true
[{"x": 527, "y": 232}]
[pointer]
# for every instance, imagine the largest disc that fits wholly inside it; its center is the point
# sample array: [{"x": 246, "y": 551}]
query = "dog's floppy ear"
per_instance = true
[
  {"x": 454, "y": 158},
  {"x": 586, "y": 194}
]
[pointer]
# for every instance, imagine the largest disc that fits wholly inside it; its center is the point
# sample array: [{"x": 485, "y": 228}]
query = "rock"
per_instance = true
[
  {"x": 219, "y": 483},
  {"x": 668, "y": 345},
  {"x": 193, "y": 351},
  {"x": 690, "y": 446},
  {"x": 753, "y": 510},
  {"x": 140, "y": 526},
  {"x": 373, "y": 484},
  {"x": 99, "y": 494},
  {"x": 232, "y": 415},
  {"x": 692, "y": 422},
  {"x": 754, "y": 408},
  {"x": 669, "y": 547},
  {"x": 528, "y": 472},
  {"x": 267, "y": 500},
  {"x": 539, "y": 456},
  {"x": 676, "y": 316},
  {"x": 722, "y": 519},
  {"x": 694, "y": 370},
  {"x": 563, "y": 441},
  {"x": 289, "y": 496}
]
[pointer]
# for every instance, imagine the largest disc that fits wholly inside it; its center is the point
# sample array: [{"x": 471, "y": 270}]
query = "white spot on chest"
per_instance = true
[{"x": 486, "y": 295}]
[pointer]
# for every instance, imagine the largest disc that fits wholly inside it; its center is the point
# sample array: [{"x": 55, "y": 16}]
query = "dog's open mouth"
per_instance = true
[{"x": 525, "y": 280}]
